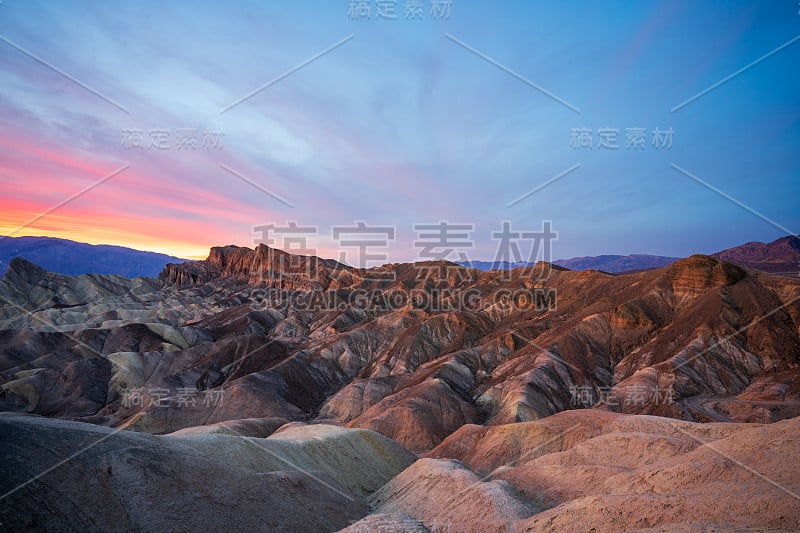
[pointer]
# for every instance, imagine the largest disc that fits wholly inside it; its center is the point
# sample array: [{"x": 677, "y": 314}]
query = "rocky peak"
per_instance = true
[
  {"x": 263, "y": 264},
  {"x": 698, "y": 273},
  {"x": 23, "y": 270}
]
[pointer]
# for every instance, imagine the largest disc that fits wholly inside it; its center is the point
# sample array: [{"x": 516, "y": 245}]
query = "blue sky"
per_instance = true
[{"x": 403, "y": 123}]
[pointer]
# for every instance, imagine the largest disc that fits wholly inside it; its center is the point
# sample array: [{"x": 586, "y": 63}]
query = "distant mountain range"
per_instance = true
[
  {"x": 781, "y": 256},
  {"x": 72, "y": 258},
  {"x": 617, "y": 263},
  {"x": 613, "y": 264}
]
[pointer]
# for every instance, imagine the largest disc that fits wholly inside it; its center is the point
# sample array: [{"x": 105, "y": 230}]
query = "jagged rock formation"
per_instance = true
[
  {"x": 416, "y": 351},
  {"x": 27, "y": 287},
  {"x": 445, "y": 360},
  {"x": 273, "y": 267}
]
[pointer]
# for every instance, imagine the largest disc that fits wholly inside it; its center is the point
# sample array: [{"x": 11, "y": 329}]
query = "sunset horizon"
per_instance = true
[{"x": 401, "y": 121}]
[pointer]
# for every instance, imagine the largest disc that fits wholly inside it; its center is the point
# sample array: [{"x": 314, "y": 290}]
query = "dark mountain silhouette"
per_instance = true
[{"x": 72, "y": 258}]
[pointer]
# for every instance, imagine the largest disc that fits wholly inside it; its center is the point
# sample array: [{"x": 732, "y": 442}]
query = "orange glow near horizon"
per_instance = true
[
  {"x": 179, "y": 238},
  {"x": 145, "y": 206},
  {"x": 175, "y": 237},
  {"x": 183, "y": 250},
  {"x": 136, "y": 209}
]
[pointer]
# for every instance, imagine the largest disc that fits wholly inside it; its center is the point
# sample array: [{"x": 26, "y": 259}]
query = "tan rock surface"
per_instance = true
[{"x": 61, "y": 475}]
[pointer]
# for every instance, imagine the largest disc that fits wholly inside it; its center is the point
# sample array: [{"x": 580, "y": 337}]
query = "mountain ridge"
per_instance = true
[
  {"x": 67, "y": 257},
  {"x": 481, "y": 406},
  {"x": 598, "y": 331},
  {"x": 73, "y": 258},
  {"x": 781, "y": 256}
]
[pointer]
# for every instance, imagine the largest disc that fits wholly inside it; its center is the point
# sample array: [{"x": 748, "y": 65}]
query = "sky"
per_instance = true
[{"x": 665, "y": 128}]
